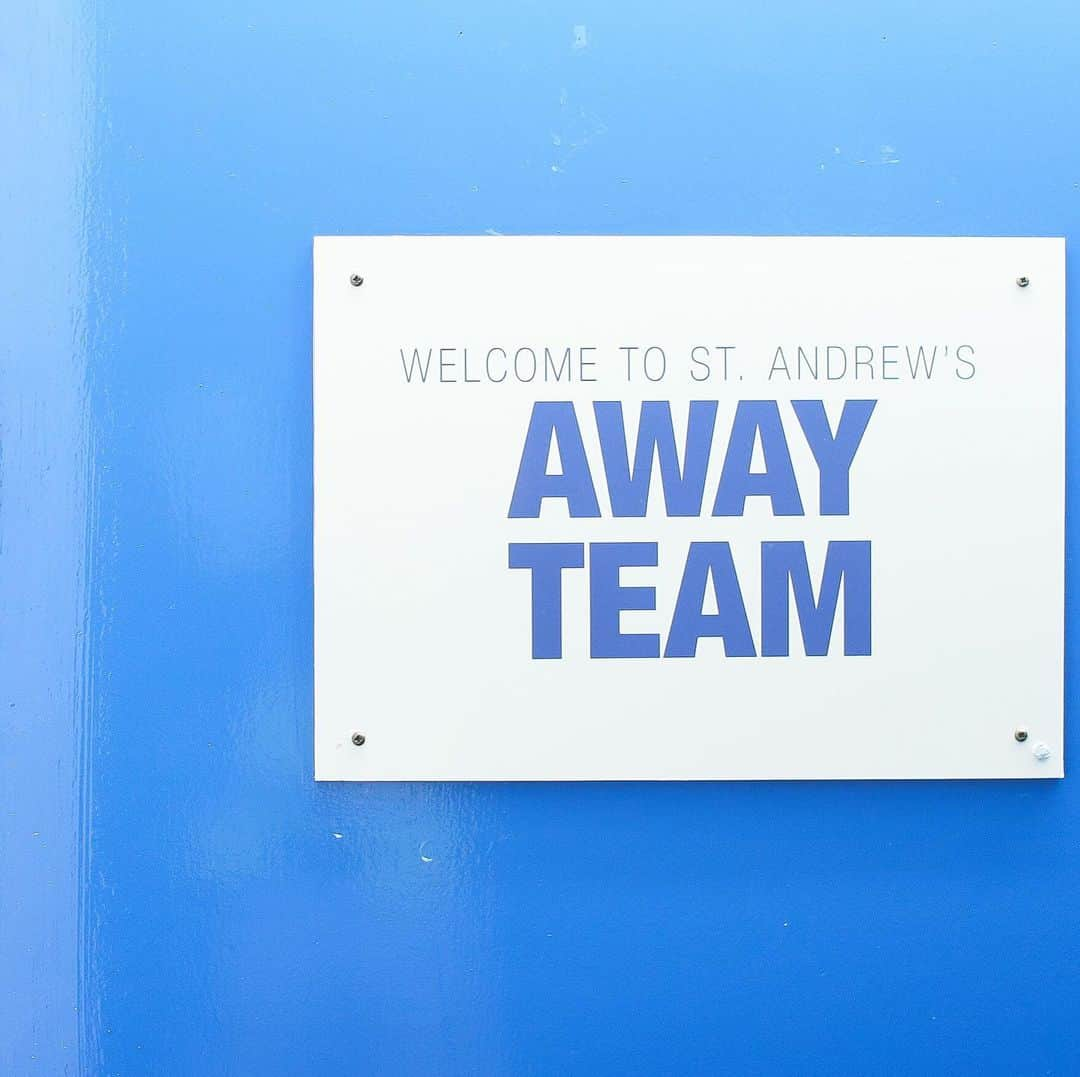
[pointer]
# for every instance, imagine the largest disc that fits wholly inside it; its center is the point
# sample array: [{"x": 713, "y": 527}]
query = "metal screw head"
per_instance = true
[
  {"x": 1021, "y": 735},
  {"x": 1022, "y": 282},
  {"x": 359, "y": 738},
  {"x": 356, "y": 280}
]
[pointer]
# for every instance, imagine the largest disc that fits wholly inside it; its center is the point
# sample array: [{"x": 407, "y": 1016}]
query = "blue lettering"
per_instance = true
[
  {"x": 608, "y": 598},
  {"x": 784, "y": 569},
  {"x": 689, "y": 623},
  {"x": 554, "y": 419},
  {"x": 547, "y": 561},
  {"x": 684, "y": 485},
  {"x": 834, "y": 452},
  {"x": 754, "y": 419}
]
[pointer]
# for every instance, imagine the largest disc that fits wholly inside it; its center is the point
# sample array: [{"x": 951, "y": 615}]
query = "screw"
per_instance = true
[
  {"x": 356, "y": 280},
  {"x": 359, "y": 738},
  {"x": 1021, "y": 735},
  {"x": 1041, "y": 752},
  {"x": 1023, "y": 282}
]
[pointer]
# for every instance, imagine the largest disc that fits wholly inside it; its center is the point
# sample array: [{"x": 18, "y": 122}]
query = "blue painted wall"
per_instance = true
[{"x": 174, "y": 895}]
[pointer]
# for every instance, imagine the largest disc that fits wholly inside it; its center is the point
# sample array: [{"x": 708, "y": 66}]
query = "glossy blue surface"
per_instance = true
[{"x": 177, "y": 895}]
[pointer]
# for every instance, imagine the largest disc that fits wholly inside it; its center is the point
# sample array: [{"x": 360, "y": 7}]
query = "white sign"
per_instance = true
[{"x": 688, "y": 507}]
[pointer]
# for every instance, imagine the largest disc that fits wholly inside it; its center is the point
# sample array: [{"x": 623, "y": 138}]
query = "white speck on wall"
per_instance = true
[{"x": 581, "y": 38}]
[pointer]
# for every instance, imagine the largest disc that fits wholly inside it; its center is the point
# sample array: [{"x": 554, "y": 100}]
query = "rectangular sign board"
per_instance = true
[{"x": 688, "y": 507}]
